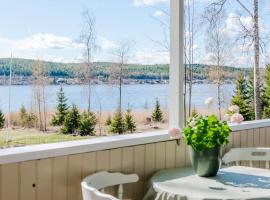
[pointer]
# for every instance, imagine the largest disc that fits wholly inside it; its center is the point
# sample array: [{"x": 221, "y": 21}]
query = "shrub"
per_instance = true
[
  {"x": 157, "y": 115},
  {"x": 130, "y": 124},
  {"x": 117, "y": 125},
  {"x": 206, "y": 132},
  {"x": 87, "y": 124},
  {"x": 71, "y": 122}
]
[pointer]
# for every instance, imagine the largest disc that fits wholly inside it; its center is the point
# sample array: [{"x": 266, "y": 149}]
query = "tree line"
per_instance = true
[{"x": 244, "y": 95}]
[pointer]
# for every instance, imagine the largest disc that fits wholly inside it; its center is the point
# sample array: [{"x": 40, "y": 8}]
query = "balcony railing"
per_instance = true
[{"x": 54, "y": 171}]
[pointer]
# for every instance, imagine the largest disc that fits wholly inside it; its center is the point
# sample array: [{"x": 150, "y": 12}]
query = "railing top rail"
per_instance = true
[{"x": 33, "y": 152}]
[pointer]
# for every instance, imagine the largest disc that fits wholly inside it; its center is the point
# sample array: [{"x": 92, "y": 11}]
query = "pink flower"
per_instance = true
[
  {"x": 237, "y": 118},
  {"x": 175, "y": 133}
]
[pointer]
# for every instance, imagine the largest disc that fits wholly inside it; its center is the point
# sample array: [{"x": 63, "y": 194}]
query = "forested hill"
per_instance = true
[{"x": 22, "y": 67}]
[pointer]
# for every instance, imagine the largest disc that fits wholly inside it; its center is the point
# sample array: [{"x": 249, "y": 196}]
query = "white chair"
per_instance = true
[
  {"x": 93, "y": 185},
  {"x": 235, "y": 155}
]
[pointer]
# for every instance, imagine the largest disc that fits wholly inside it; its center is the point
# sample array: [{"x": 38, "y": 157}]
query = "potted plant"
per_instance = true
[{"x": 205, "y": 135}]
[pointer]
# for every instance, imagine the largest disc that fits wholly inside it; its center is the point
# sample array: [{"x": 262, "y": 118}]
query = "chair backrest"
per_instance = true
[
  {"x": 247, "y": 154},
  {"x": 92, "y": 184}
]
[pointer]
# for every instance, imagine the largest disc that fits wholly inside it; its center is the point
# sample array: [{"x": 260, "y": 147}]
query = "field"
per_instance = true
[{"x": 20, "y": 137}]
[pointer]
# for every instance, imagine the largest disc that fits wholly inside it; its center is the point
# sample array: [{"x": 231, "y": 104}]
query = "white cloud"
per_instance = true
[
  {"x": 47, "y": 41},
  {"x": 148, "y": 57},
  {"x": 147, "y": 2},
  {"x": 107, "y": 44},
  {"x": 158, "y": 13},
  {"x": 233, "y": 24},
  {"x": 42, "y": 41}
]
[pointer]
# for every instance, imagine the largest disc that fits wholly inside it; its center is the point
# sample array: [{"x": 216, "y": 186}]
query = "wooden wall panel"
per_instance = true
[
  {"x": 10, "y": 182},
  {"x": 180, "y": 154},
  {"x": 160, "y": 156},
  {"x": 44, "y": 179},
  {"x": 139, "y": 168},
  {"x": 74, "y": 177},
  {"x": 59, "y": 178},
  {"x": 170, "y": 154},
  {"x": 28, "y": 180},
  {"x": 60, "y": 174}
]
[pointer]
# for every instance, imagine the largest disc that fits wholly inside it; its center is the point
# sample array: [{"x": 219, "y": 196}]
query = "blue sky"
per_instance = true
[
  {"x": 27, "y": 23},
  {"x": 50, "y": 29}
]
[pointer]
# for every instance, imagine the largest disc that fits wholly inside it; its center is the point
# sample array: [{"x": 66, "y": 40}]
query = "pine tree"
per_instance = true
[
  {"x": 157, "y": 115},
  {"x": 240, "y": 98},
  {"x": 266, "y": 93},
  {"x": 62, "y": 109},
  {"x": 108, "y": 121},
  {"x": 23, "y": 116},
  {"x": 117, "y": 124},
  {"x": 87, "y": 124},
  {"x": 2, "y": 120},
  {"x": 71, "y": 122},
  {"x": 130, "y": 124},
  {"x": 31, "y": 120}
]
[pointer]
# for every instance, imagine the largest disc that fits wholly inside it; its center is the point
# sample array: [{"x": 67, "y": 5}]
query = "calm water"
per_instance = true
[{"x": 135, "y": 96}]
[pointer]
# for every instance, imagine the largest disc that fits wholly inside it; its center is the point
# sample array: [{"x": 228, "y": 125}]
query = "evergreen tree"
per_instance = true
[
  {"x": 71, "y": 122},
  {"x": 157, "y": 115},
  {"x": 240, "y": 98},
  {"x": 23, "y": 116},
  {"x": 61, "y": 109},
  {"x": 31, "y": 120},
  {"x": 108, "y": 121},
  {"x": 266, "y": 93},
  {"x": 87, "y": 124},
  {"x": 130, "y": 124},
  {"x": 117, "y": 124},
  {"x": 2, "y": 120}
]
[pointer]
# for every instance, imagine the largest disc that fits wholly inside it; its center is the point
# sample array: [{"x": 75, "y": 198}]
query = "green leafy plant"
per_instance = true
[{"x": 206, "y": 132}]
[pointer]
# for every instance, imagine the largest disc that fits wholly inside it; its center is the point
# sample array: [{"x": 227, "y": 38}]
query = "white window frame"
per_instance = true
[{"x": 176, "y": 88}]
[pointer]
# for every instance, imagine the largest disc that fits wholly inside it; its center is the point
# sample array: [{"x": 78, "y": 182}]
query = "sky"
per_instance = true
[{"x": 50, "y": 29}]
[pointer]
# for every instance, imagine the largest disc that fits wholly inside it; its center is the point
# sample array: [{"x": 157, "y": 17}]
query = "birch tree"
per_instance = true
[
  {"x": 252, "y": 34},
  {"x": 88, "y": 39},
  {"x": 217, "y": 48},
  {"x": 122, "y": 53},
  {"x": 40, "y": 81}
]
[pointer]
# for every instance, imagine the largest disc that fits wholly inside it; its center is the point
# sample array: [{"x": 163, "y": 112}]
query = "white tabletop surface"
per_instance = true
[{"x": 231, "y": 183}]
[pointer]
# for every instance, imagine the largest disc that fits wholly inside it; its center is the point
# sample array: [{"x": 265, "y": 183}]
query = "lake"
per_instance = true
[{"x": 134, "y": 96}]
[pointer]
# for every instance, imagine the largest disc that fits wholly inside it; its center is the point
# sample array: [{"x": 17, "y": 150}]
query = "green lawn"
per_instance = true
[{"x": 22, "y": 137}]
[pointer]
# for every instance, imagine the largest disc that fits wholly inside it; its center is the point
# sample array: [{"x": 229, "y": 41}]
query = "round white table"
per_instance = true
[{"x": 230, "y": 183}]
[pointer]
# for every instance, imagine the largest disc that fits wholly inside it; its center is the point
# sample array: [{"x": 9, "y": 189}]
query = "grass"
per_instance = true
[{"x": 22, "y": 137}]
